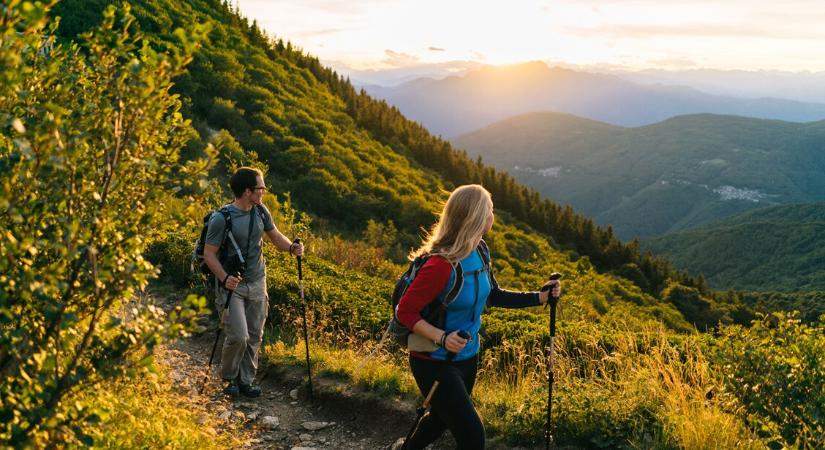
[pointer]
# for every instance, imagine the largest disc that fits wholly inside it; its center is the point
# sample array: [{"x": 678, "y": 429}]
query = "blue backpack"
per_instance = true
[{"x": 434, "y": 313}]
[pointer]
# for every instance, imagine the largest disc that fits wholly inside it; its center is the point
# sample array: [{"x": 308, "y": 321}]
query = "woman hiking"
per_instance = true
[{"x": 456, "y": 248}]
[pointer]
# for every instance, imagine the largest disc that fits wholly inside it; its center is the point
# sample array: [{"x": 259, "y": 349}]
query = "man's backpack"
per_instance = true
[
  {"x": 198, "y": 264},
  {"x": 436, "y": 312}
]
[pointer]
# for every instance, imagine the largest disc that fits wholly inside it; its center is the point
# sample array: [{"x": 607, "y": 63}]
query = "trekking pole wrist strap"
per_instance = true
[
  {"x": 443, "y": 341},
  {"x": 224, "y": 280}
]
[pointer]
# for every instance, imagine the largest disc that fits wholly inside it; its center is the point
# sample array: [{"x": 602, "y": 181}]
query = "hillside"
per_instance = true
[
  {"x": 159, "y": 100},
  {"x": 779, "y": 248},
  {"x": 344, "y": 156},
  {"x": 659, "y": 178},
  {"x": 460, "y": 104}
]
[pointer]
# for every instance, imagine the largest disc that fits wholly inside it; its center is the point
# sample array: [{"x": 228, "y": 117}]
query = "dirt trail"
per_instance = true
[{"x": 284, "y": 417}]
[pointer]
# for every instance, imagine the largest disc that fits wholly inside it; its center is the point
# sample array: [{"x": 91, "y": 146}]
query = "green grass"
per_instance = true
[
  {"x": 644, "y": 393},
  {"x": 149, "y": 412}
]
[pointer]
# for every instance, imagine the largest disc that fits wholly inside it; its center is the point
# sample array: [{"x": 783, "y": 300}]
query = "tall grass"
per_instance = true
[
  {"x": 379, "y": 374},
  {"x": 149, "y": 412},
  {"x": 646, "y": 391}
]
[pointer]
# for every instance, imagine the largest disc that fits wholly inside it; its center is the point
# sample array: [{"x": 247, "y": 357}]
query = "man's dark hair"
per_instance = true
[{"x": 243, "y": 179}]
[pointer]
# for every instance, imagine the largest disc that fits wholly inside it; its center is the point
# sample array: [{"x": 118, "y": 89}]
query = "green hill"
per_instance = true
[
  {"x": 779, "y": 248},
  {"x": 344, "y": 156},
  {"x": 660, "y": 178},
  {"x": 632, "y": 369}
]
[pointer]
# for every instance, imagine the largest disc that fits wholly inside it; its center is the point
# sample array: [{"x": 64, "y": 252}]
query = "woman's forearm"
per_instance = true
[
  {"x": 423, "y": 328},
  {"x": 502, "y": 298}
]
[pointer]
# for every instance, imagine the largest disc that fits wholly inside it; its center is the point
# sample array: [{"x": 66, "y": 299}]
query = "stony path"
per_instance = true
[{"x": 284, "y": 417}]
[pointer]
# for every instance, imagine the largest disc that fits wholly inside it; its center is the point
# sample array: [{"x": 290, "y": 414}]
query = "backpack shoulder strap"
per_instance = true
[
  {"x": 227, "y": 231},
  {"x": 457, "y": 283},
  {"x": 484, "y": 251},
  {"x": 227, "y": 220},
  {"x": 260, "y": 210}
]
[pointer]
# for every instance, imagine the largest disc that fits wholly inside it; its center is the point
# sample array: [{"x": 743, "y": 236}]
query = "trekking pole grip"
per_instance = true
[
  {"x": 463, "y": 334},
  {"x": 551, "y": 300}
]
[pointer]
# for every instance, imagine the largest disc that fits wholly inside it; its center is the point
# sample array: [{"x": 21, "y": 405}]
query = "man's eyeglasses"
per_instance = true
[{"x": 259, "y": 188}]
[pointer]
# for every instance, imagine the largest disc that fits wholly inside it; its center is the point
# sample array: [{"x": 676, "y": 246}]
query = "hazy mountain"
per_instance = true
[
  {"x": 456, "y": 105},
  {"x": 801, "y": 86},
  {"x": 659, "y": 178},
  {"x": 399, "y": 75},
  {"x": 780, "y": 248}
]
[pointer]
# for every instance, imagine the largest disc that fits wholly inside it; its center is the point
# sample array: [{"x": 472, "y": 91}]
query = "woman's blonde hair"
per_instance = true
[{"x": 460, "y": 225}]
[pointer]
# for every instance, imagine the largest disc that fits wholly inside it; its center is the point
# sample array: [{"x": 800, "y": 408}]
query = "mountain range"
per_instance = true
[{"x": 459, "y": 104}]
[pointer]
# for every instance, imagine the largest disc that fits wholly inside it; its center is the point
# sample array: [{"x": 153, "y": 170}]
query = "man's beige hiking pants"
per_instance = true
[{"x": 243, "y": 325}]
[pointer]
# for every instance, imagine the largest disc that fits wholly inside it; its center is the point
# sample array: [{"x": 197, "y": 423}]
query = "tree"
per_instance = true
[{"x": 89, "y": 154}]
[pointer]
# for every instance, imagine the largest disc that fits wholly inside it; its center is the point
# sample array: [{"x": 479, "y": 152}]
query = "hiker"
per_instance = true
[
  {"x": 456, "y": 239},
  {"x": 249, "y": 303}
]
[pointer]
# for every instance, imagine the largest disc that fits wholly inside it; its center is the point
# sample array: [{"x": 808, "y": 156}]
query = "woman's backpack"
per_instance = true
[{"x": 435, "y": 312}]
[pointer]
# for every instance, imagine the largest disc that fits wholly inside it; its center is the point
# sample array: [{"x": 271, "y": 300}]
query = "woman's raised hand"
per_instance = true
[{"x": 552, "y": 287}]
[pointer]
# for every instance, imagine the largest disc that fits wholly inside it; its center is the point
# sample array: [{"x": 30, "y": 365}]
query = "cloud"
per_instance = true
[
  {"x": 681, "y": 63},
  {"x": 346, "y": 7},
  {"x": 398, "y": 59},
  {"x": 646, "y": 31},
  {"x": 435, "y": 49},
  {"x": 315, "y": 33}
]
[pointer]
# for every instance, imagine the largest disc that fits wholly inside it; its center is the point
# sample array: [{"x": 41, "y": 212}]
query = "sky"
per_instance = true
[{"x": 787, "y": 35}]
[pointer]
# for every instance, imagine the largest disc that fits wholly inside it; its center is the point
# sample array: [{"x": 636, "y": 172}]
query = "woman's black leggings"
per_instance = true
[{"x": 451, "y": 405}]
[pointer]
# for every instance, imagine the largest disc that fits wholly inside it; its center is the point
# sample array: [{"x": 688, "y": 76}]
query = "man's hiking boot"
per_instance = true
[
  {"x": 249, "y": 390},
  {"x": 231, "y": 389}
]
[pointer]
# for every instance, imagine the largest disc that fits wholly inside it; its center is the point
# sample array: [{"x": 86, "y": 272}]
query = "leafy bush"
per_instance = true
[
  {"x": 776, "y": 370},
  {"x": 89, "y": 143}
]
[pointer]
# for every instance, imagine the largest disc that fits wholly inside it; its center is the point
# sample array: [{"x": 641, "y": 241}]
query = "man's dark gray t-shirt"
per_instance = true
[{"x": 255, "y": 267}]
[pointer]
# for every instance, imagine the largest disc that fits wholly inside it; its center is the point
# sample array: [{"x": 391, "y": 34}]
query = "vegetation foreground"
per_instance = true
[{"x": 105, "y": 175}]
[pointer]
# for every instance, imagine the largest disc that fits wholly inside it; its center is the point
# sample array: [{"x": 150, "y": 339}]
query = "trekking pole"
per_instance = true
[
  {"x": 217, "y": 336},
  {"x": 552, "y": 301},
  {"x": 304, "y": 314},
  {"x": 426, "y": 405}
]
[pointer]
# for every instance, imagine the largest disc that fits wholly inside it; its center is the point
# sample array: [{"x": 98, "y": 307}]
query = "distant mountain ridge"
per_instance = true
[
  {"x": 457, "y": 105},
  {"x": 779, "y": 248},
  {"x": 659, "y": 178}
]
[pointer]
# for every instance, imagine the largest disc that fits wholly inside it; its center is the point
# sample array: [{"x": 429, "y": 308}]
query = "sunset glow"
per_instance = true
[{"x": 380, "y": 34}]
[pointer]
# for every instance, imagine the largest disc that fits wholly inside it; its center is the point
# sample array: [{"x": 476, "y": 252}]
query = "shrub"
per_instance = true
[
  {"x": 776, "y": 370},
  {"x": 89, "y": 144}
]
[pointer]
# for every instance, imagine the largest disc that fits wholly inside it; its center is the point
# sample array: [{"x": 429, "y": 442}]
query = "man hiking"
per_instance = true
[{"x": 244, "y": 276}]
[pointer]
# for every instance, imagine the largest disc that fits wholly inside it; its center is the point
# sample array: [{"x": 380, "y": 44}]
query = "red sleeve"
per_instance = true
[{"x": 430, "y": 281}]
